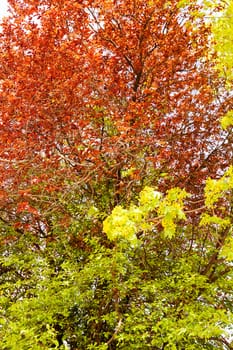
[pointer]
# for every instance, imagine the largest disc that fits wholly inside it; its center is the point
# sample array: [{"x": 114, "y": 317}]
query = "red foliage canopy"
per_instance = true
[{"x": 91, "y": 88}]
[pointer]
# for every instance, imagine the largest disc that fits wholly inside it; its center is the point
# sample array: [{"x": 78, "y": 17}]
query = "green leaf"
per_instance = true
[{"x": 227, "y": 120}]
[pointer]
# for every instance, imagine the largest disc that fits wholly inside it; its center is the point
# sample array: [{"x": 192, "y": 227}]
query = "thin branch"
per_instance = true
[{"x": 117, "y": 329}]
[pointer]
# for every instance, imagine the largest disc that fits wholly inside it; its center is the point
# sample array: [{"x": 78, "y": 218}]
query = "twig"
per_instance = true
[{"x": 117, "y": 329}]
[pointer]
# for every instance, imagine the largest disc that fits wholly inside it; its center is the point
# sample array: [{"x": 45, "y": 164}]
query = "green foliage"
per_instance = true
[
  {"x": 127, "y": 222},
  {"x": 227, "y": 120},
  {"x": 123, "y": 223},
  {"x": 195, "y": 320},
  {"x": 215, "y": 189},
  {"x": 156, "y": 282},
  {"x": 171, "y": 209},
  {"x": 149, "y": 198},
  {"x": 140, "y": 298},
  {"x": 222, "y": 27},
  {"x": 227, "y": 250},
  {"x": 127, "y": 172},
  {"x": 207, "y": 219}
]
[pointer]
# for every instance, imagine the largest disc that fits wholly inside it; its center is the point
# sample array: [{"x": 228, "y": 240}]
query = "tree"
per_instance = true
[
  {"x": 90, "y": 89},
  {"x": 106, "y": 107},
  {"x": 162, "y": 283},
  {"x": 221, "y": 29}
]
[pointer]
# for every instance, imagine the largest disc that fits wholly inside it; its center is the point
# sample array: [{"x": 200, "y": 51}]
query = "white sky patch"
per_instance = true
[{"x": 3, "y": 8}]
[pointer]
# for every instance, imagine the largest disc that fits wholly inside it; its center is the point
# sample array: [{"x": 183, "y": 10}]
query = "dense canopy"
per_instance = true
[{"x": 116, "y": 177}]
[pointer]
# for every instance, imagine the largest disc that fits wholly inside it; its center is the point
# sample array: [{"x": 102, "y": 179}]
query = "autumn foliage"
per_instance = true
[
  {"x": 115, "y": 198},
  {"x": 89, "y": 89}
]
